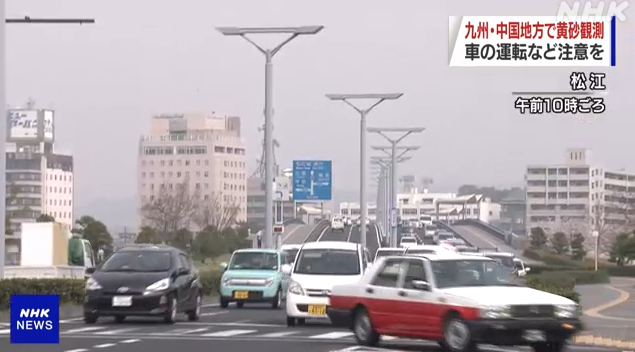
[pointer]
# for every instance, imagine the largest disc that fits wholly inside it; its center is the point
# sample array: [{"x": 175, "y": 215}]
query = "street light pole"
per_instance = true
[
  {"x": 379, "y": 98},
  {"x": 394, "y": 156},
  {"x": 293, "y": 33},
  {"x": 3, "y": 126},
  {"x": 386, "y": 163}
]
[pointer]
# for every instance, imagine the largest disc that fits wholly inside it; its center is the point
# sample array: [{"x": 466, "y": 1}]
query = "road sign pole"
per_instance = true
[{"x": 362, "y": 178}]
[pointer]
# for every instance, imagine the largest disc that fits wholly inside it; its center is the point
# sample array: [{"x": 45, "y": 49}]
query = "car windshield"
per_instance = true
[
  {"x": 138, "y": 261},
  {"x": 408, "y": 240},
  {"x": 470, "y": 272},
  {"x": 421, "y": 251},
  {"x": 387, "y": 253},
  {"x": 505, "y": 260},
  {"x": 254, "y": 261},
  {"x": 327, "y": 261},
  {"x": 292, "y": 253}
]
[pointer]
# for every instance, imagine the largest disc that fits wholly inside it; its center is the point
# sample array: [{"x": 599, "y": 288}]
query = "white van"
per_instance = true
[{"x": 337, "y": 224}]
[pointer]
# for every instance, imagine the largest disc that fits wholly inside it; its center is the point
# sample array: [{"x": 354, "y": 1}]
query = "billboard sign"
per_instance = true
[
  {"x": 30, "y": 124},
  {"x": 48, "y": 125},
  {"x": 312, "y": 180},
  {"x": 282, "y": 188}
]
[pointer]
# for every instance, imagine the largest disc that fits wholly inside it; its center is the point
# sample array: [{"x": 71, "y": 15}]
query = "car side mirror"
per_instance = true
[
  {"x": 90, "y": 271},
  {"x": 286, "y": 269},
  {"x": 223, "y": 266},
  {"x": 184, "y": 271},
  {"x": 421, "y": 285}
]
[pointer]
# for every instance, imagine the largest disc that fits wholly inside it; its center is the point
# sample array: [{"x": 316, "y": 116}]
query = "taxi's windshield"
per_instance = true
[
  {"x": 254, "y": 261},
  {"x": 327, "y": 261},
  {"x": 470, "y": 272}
]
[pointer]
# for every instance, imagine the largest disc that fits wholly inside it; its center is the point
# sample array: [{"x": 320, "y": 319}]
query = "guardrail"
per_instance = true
[
  {"x": 317, "y": 231},
  {"x": 489, "y": 228},
  {"x": 446, "y": 227}
]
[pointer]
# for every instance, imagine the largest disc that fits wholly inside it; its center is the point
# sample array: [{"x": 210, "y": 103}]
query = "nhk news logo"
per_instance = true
[
  {"x": 521, "y": 41},
  {"x": 35, "y": 319},
  {"x": 588, "y": 11}
]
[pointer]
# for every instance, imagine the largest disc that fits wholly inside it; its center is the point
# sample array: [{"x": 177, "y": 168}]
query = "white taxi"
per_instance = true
[
  {"x": 337, "y": 224},
  {"x": 459, "y": 301},
  {"x": 319, "y": 266}
]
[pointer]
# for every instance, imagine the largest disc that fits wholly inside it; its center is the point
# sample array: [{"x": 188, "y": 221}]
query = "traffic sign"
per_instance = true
[
  {"x": 278, "y": 229},
  {"x": 393, "y": 217},
  {"x": 281, "y": 188},
  {"x": 312, "y": 180}
]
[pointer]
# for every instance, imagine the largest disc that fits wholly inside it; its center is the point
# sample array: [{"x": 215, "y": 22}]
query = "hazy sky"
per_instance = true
[{"x": 152, "y": 56}]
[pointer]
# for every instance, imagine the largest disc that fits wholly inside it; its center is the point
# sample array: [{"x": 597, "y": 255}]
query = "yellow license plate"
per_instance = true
[
  {"x": 317, "y": 310},
  {"x": 241, "y": 294}
]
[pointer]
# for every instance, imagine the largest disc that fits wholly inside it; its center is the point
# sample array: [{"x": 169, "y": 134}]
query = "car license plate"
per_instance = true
[
  {"x": 534, "y": 335},
  {"x": 241, "y": 294},
  {"x": 122, "y": 301},
  {"x": 317, "y": 310}
]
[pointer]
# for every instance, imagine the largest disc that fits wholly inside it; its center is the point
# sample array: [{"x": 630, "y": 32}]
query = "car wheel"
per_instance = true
[
  {"x": 550, "y": 346},
  {"x": 277, "y": 300},
  {"x": 224, "y": 303},
  {"x": 119, "y": 319},
  {"x": 90, "y": 318},
  {"x": 195, "y": 314},
  {"x": 301, "y": 321},
  {"x": 240, "y": 304},
  {"x": 456, "y": 335},
  {"x": 363, "y": 329},
  {"x": 290, "y": 321},
  {"x": 170, "y": 315}
]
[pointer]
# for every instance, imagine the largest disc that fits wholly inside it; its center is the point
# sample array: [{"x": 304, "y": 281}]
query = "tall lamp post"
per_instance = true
[
  {"x": 392, "y": 151},
  {"x": 3, "y": 126},
  {"x": 596, "y": 239},
  {"x": 379, "y": 98},
  {"x": 385, "y": 163},
  {"x": 293, "y": 33}
]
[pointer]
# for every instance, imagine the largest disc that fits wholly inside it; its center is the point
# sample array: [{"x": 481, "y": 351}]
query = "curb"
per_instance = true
[{"x": 598, "y": 341}]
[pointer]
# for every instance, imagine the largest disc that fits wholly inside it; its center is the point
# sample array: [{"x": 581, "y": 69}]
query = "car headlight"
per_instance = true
[
  {"x": 495, "y": 312},
  {"x": 270, "y": 281},
  {"x": 92, "y": 285},
  {"x": 159, "y": 285},
  {"x": 567, "y": 311},
  {"x": 226, "y": 281},
  {"x": 295, "y": 288}
]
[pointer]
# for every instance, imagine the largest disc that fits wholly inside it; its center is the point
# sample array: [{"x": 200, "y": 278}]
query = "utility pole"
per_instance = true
[
  {"x": 3, "y": 126},
  {"x": 386, "y": 164},
  {"x": 379, "y": 98}
]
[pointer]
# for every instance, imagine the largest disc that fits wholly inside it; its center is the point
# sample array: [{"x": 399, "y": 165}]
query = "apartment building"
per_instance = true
[
  {"x": 577, "y": 195},
  {"x": 205, "y": 151}
]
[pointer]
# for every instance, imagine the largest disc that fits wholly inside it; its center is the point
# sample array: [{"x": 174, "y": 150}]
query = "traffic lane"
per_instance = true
[
  {"x": 333, "y": 235},
  {"x": 479, "y": 238},
  {"x": 280, "y": 345},
  {"x": 298, "y": 235},
  {"x": 372, "y": 239},
  {"x": 76, "y": 345},
  {"x": 354, "y": 234},
  {"x": 592, "y": 296}
]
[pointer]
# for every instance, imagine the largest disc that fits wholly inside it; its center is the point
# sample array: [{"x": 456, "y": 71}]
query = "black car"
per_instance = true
[{"x": 144, "y": 280}]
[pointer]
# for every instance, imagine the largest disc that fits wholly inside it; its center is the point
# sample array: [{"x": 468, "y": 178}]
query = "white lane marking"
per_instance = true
[
  {"x": 379, "y": 240},
  {"x": 292, "y": 232},
  {"x": 5, "y": 331},
  {"x": 71, "y": 320},
  {"x": 212, "y": 313},
  {"x": 332, "y": 335},
  {"x": 78, "y": 350},
  {"x": 228, "y": 333},
  {"x": 322, "y": 234},
  {"x": 105, "y": 345},
  {"x": 350, "y": 232},
  {"x": 170, "y": 332},
  {"x": 90, "y": 328},
  {"x": 278, "y": 334},
  {"x": 130, "y": 341},
  {"x": 115, "y": 332},
  {"x": 194, "y": 331}
]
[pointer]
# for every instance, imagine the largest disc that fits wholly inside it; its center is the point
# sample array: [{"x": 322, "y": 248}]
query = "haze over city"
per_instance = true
[{"x": 145, "y": 57}]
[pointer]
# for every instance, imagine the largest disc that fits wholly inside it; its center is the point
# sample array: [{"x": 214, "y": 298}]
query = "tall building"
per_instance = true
[
  {"x": 203, "y": 150},
  {"x": 38, "y": 180},
  {"x": 579, "y": 195}
]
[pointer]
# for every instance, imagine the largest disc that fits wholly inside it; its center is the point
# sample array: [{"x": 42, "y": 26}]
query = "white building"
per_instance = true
[
  {"x": 448, "y": 207},
  {"x": 578, "y": 195},
  {"x": 38, "y": 180}
]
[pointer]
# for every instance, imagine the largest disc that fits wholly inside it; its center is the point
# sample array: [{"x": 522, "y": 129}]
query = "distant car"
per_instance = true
[
  {"x": 430, "y": 230},
  {"x": 337, "y": 224},
  {"x": 473, "y": 295},
  {"x": 455, "y": 242},
  {"x": 347, "y": 221},
  {"x": 443, "y": 236},
  {"x": 144, "y": 280},
  {"x": 408, "y": 241},
  {"x": 387, "y": 252},
  {"x": 254, "y": 276}
]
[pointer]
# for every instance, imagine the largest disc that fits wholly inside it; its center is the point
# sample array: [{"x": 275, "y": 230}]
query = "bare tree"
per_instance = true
[
  {"x": 173, "y": 208},
  {"x": 218, "y": 211}
]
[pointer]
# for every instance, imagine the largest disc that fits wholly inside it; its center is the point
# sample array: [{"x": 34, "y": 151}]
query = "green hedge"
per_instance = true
[
  {"x": 71, "y": 291},
  {"x": 555, "y": 262},
  {"x": 561, "y": 286}
]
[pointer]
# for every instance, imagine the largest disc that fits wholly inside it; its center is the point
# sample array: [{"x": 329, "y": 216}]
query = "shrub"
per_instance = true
[
  {"x": 622, "y": 271},
  {"x": 210, "y": 280},
  {"x": 71, "y": 291},
  {"x": 560, "y": 285},
  {"x": 532, "y": 254}
]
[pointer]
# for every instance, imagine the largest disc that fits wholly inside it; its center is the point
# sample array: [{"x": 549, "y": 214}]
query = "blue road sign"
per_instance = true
[{"x": 312, "y": 180}]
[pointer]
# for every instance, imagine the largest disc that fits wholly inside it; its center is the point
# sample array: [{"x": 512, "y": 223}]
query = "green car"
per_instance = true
[{"x": 254, "y": 276}]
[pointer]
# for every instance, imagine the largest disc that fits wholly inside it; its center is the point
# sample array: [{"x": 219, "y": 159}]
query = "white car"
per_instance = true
[
  {"x": 458, "y": 301},
  {"x": 408, "y": 241},
  {"x": 430, "y": 230},
  {"x": 337, "y": 224},
  {"x": 319, "y": 266},
  {"x": 443, "y": 236},
  {"x": 521, "y": 269}
]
